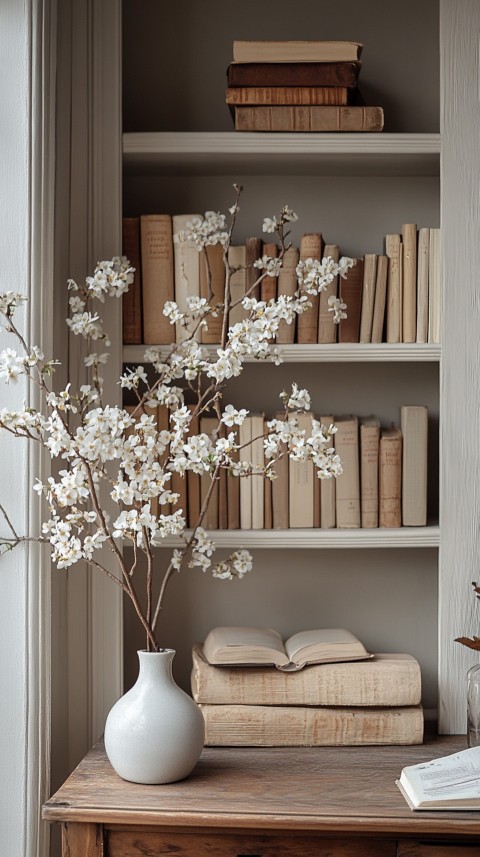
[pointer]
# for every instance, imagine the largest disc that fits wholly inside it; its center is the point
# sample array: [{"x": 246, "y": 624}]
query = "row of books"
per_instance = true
[
  {"x": 358, "y": 702},
  {"x": 390, "y": 298},
  {"x": 298, "y": 86},
  {"x": 383, "y": 484}
]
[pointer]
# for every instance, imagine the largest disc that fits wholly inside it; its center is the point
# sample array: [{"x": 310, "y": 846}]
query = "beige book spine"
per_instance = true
[
  {"x": 245, "y": 453},
  {"x": 268, "y": 510},
  {"x": 193, "y": 480},
  {"x": 387, "y": 680},
  {"x": 233, "y": 498},
  {"x": 393, "y": 249},
  {"x": 187, "y": 272},
  {"x": 287, "y": 285},
  {"x": 414, "y": 425},
  {"x": 380, "y": 299},
  {"x": 212, "y": 287},
  {"x": 210, "y": 520},
  {"x": 280, "y": 519},
  {"x": 348, "y": 483},
  {"x": 157, "y": 277},
  {"x": 409, "y": 290},
  {"x": 237, "y": 258},
  {"x": 422, "y": 284},
  {"x": 302, "y": 484},
  {"x": 268, "y": 287},
  {"x": 369, "y": 447},
  {"x": 258, "y": 482},
  {"x": 307, "y": 323},
  {"x": 223, "y": 492},
  {"x": 434, "y": 287},
  {"x": 271, "y": 726},
  {"x": 253, "y": 249},
  {"x": 308, "y": 119},
  {"x": 327, "y": 330},
  {"x": 368, "y": 296},
  {"x": 327, "y": 490},
  {"x": 301, "y": 95},
  {"x": 390, "y": 478}
]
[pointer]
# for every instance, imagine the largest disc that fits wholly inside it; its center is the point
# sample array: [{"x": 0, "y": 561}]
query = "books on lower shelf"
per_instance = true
[{"x": 449, "y": 783}]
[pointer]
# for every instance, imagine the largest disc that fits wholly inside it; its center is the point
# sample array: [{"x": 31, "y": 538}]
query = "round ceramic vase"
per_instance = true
[{"x": 155, "y": 732}]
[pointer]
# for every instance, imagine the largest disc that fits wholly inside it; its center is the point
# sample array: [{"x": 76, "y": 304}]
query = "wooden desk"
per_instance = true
[{"x": 322, "y": 802}]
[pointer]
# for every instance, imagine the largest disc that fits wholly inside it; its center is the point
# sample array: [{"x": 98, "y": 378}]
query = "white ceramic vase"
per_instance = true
[{"x": 155, "y": 732}]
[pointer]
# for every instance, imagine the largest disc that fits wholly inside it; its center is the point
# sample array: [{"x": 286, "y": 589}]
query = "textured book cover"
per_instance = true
[
  {"x": 304, "y": 119},
  {"x": 293, "y": 74},
  {"x": 311, "y": 247},
  {"x": 351, "y": 290},
  {"x": 157, "y": 277},
  {"x": 273, "y": 95},
  {"x": 390, "y": 478}
]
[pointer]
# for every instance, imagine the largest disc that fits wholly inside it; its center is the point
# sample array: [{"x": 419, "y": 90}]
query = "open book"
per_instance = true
[
  {"x": 256, "y": 646},
  {"x": 452, "y": 782}
]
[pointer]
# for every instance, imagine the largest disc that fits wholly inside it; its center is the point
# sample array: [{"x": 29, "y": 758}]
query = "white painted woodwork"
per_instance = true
[
  {"x": 295, "y": 539},
  {"x": 340, "y": 352},
  {"x": 459, "y": 403}
]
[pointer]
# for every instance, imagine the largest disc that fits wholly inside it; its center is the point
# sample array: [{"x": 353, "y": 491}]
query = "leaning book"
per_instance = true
[
  {"x": 452, "y": 782},
  {"x": 256, "y": 646}
]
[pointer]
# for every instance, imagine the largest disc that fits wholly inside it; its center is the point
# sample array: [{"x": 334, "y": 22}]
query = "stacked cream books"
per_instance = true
[{"x": 319, "y": 688}]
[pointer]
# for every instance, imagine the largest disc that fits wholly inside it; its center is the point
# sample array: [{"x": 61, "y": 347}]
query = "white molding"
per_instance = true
[
  {"x": 336, "y": 353},
  {"x": 459, "y": 399},
  {"x": 403, "y": 537}
]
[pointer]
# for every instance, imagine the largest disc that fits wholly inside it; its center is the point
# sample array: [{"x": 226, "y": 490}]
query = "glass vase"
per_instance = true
[{"x": 473, "y": 706}]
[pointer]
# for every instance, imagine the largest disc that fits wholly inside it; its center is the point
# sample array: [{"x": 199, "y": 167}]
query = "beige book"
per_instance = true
[
  {"x": 368, "y": 296},
  {"x": 157, "y": 277},
  {"x": 390, "y": 478},
  {"x": 267, "y": 508},
  {"x": 422, "y": 283},
  {"x": 280, "y": 520},
  {"x": 301, "y": 498},
  {"x": 307, "y": 323},
  {"x": 409, "y": 287},
  {"x": 212, "y": 287},
  {"x": 414, "y": 424},
  {"x": 257, "y": 482},
  {"x": 327, "y": 490},
  {"x": 237, "y": 257},
  {"x": 287, "y": 285},
  {"x": 222, "y": 492},
  {"x": 393, "y": 249},
  {"x": 369, "y": 446},
  {"x": 347, "y": 487},
  {"x": 296, "y": 51},
  {"x": 316, "y": 499},
  {"x": 434, "y": 287},
  {"x": 253, "y": 250},
  {"x": 154, "y": 505},
  {"x": 285, "y": 726},
  {"x": 241, "y": 645},
  {"x": 268, "y": 287},
  {"x": 386, "y": 679},
  {"x": 380, "y": 299},
  {"x": 193, "y": 479},
  {"x": 327, "y": 330},
  {"x": 233, "y": 498},
  {"x": 187, "y": 272},
  {"x": 210, "y": 520},
  {"x": 245, "y": 453},
  {"x": 163, "y": 422}
]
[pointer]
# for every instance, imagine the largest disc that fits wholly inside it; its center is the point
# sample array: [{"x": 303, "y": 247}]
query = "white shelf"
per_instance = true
[
  {"x": 338, "y": 352},
  {"x": 403, "y": 537},
  {"x": 220, "y": 153}
]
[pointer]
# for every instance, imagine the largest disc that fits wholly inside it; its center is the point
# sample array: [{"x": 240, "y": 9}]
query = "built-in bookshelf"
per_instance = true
[{"x": 337, "y": 352}]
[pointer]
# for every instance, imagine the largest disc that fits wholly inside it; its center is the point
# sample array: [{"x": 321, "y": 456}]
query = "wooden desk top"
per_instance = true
[{"x": 328, "y": 789}]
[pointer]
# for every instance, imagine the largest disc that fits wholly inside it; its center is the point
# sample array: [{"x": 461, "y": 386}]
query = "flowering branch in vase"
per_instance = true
[{"x": 104, "y": 446}]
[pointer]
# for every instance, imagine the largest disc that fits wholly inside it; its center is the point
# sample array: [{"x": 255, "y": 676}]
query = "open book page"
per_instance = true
[
  {"x": 452, "y": 782},
  {"x": 328, "y": 644},
  {"x": 233, "y": 645}
]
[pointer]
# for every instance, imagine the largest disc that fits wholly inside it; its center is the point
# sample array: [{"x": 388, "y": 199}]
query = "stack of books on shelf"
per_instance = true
[
  {"x": 393, "y": 297},
  {"x": 298, "y": 86},
  {"x": 383, "y": 484},
  {"x": 319, "y": 688}
]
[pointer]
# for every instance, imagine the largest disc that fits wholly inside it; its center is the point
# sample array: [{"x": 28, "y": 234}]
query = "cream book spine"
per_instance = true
[
  {"x": 233, "y": 497},
  {"x": 422, "y": 283},
  {"x": 327, "y": 330},
  {"x": 285, "y": 726},
  {"x": 307, "y": 323},
  {"x": 187, "y": 271},
  {"x": 434, "y": 287},
  {"x": 287, "y": 285},
  {"x": 237, "y": 258},
  {"x": 157, "y": 277},
  {"x": 369, "y": 448},
  {"x": 390, "y": 478},
  {"x": 245, "y": 454},
  {"x": 210, "y": 520},
  {"x": 258, "y": 482},
  {"x": 380, "y": 299},
  {"x": 409, "y": 243},
  {"x": 386, "y": 679},
  {"x": 302, "y": 484},
  {"x": 368, "y": 296},
  {"x": 327, "y": 490},
  {"x": 414, "y": 425},
  {"x": 393, "y": 249},
  {"x": 348, "y": 483},
  {"x": 280, "y": 520}
]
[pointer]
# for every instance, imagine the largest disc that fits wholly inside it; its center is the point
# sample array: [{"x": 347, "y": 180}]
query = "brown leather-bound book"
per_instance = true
[
  {"x": 293, "y": 74},
  {"x": 287, "y": 95},
  {"x": 305, "y": 119},
  {"x": 390, "y": 478},
  {"x": 368, "y": 296},
  {"x": 216, "y": 294},
  {"x": 380, "y": 299},
  {"x": 287, "y": 285},
  {"x": 193, "y": 481},
  {"x": 254, "y": 251},
  {"x": 351, "y": 289},
  {"x": 327, "y": 330},
  {"x": 132, "y": 300},
  {"x": 268, "y": 289},
  {"x": 311, "y": 247},
  {"x": 157, "y": 277}
]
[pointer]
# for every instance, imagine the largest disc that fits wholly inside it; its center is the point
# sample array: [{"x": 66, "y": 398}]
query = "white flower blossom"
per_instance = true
[
  {"x": 11, "y": 365},
  {"x": 338, "y": 308},
  {"x": 232, "y": 417}
]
